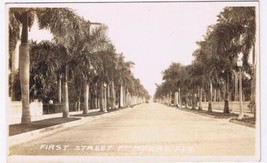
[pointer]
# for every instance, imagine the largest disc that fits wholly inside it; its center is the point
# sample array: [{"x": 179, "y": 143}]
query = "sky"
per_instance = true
[{"x": 152, "y": 35}]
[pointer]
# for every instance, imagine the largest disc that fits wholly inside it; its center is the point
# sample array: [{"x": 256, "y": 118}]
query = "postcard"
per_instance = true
[{"x": 133, "y": 81}]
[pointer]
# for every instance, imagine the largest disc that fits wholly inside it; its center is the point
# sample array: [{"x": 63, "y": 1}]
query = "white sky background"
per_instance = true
[{"x": 152, "y": 35}]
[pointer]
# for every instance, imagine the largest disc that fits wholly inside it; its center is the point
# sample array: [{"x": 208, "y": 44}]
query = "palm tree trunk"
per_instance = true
[
  {"x": 215, "y": 95},
  {"x": 170, "y": 98},
  {"x": 241, "y": 111},
  {"x": 176, "y": 98},
  {"x": 79, "y": 104},
  {"x": 108, "y": 97},
  {"x": 210, "y": 99},
  {"x": 66, "y": 94},
  {"x": 96, "y": 105},
  {"x": 186, "y": 100},
  {"x": 193, "y": 97},
  {"x": 101, "y": 97},
  {"x": 128, "y": 98},
  {"x": 85, "y": 96},
  {"x": 60, "y": 92},
  {"x": 219, "y": 94},
  {"x": 205, "y": 95},
  {"x": 179, "y": 98},
  {"x": 121, "y": 97},
  {"x": 226, "y": 100},
  {"x": 96, "y": 97},
  {"x": 113, "y": 95},
  {"x": 236, "y": 85},
  {"x": 79, "y": 99},
  {"x": 253, "y": 84},
  {"x": 13, "y": 75},
  {"x": 92, "y": 101},
  {"x": 200, "y": 99},
  {"x": 24, "y": 66},
  {"x": 105, "y": 98},
  {"x": 59, "y": 89},
  {"x": 124, "y": 97}
]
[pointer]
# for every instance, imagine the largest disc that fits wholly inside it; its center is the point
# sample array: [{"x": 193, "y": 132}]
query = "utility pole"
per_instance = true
[
  {"x": 92, "y": 23},
  {"x": 86, "y": 81}
]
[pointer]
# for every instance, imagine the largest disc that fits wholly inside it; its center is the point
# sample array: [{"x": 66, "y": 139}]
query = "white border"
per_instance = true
[{"x": 261, "y": 63}]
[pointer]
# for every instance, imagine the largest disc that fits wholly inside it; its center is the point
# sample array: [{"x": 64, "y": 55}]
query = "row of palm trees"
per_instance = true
[
  {"x": 80, "y": 63},
  {"x": 214, "y": 71}
]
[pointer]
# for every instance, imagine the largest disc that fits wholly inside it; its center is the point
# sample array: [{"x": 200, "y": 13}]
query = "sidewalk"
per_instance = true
[
  {"x": 248, "y": 119},
  {"x": 249, "y": 114},
  {"x": 47, "y": 116},
  {"x": 46, "y": 125}
]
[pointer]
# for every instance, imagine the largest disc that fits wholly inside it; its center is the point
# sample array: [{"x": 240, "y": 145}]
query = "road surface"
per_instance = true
[{"x": 148, "y": 129}]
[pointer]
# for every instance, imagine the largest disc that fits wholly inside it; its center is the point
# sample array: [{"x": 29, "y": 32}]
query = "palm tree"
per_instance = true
[
  {"x": 60, "y": 22},
  {"x": 124, "y": 75},
  {"x": 203, "y": 73},
  {"x": 46, "y": 61},
  {"x": 86, "y": 59},
  {"x": 105, "y": 71},
  {"x": 14, "y": 36},
  {"x": 25, "y": 68},
  {"x": 234, "y": 33},
  {"x": 205, "y": 66},
  {"x": 197, "y": 75},
  {"x": 173, "y": 79}
]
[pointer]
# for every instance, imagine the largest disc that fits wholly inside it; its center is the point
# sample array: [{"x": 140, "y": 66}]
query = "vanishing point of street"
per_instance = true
[{"x": 147, "y": 129}]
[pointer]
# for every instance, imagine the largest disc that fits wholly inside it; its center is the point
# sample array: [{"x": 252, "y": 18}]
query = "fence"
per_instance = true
[
  {"x": 52, "y": 108},
  {"x": 15, "y": 110},
  {"x": 233, "y": 105}
]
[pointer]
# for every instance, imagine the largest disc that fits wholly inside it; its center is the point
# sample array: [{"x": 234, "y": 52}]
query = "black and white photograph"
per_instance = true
[{"x": 133, "y": 81}]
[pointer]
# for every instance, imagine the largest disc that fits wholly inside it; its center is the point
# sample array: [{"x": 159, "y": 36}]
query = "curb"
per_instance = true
[
  {"x": 198, "y": 113},
  {"x": 31, "y": 135},
  {"x": 242, "y": 123},
  {"x": 35, "y": 134},
  {"x": 230, "y": 120}
]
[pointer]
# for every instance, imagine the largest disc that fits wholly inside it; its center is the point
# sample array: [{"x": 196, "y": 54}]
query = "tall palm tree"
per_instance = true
[
  {"x": 173, "y": 79},
  {"x": 46, "y": 61},
  {"x": 60, "y": 22},
  {"x": 86, "y": 59},
  {"x": 14, "y": 36},
  {"x": 105, "y": 71},
  {"x": 235, "y": 33},
  {"x": 124, "y": 75},
  {"x": 205, "y": 66}
]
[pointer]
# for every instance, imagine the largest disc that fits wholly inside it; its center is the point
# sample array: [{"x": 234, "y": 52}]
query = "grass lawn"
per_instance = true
[
  {"x": 15, "y": 129},
  {"x": 213, "y": 114},
  {"x": 247, "y": 121}
]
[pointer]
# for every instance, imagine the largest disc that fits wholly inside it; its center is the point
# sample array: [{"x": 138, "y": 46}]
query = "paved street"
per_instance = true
[{"x": 147, "y": 129}]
